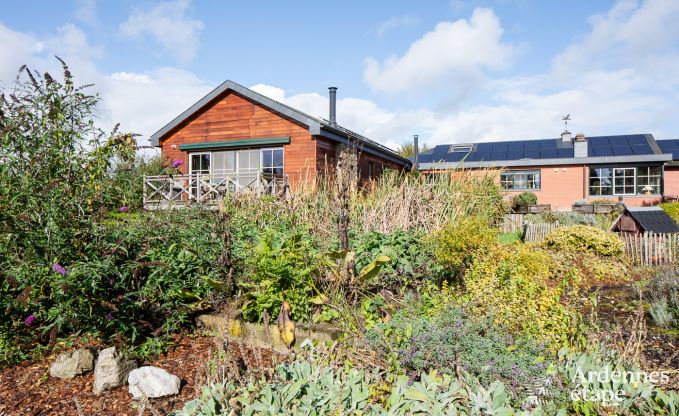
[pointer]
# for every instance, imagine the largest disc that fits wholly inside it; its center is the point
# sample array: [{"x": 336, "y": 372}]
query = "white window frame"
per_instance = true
[
  {"x": 525, "y": 172},
  {"x": 261, "y": 157},
  {"x": 191, "y": 154},
  {"x": 461, "y": 148},
  {"x": 634, "y": 176}
]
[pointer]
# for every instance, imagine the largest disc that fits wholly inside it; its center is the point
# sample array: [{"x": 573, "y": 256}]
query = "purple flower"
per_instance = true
[
  {"x": 109, "y": 317},
  {"x": 29, "y": 320},
  {"x": 123, "y": 209},
  {"x": 59, "y": 269},
  {"x": 177, "y": 163}
]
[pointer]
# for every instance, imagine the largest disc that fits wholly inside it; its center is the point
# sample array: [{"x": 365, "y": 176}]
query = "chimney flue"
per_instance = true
[
  {"x": 416, "y": 150},
  {"x": 333, "y": 106}
]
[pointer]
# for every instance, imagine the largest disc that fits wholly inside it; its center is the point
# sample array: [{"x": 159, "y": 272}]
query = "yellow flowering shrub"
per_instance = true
[
  {"x": 526, "y": 291},
  {"x": 580, "y": 238},
  {"x": 456, "y": 244}
]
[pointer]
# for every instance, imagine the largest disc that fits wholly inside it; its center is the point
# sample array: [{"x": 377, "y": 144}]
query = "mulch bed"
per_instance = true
[{"x": 27, "y": 389}]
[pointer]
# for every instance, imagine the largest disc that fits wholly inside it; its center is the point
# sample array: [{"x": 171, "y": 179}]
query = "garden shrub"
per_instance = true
[
  {"x": 517, "y": 285},
  {"x": 453, "y": 337},
  {"x": 580, "y": 238},
  {"x": 662, "y": 292},
  {"x": 283, "y": 266},
  {"x": 456, "y": 244},
  {"x": 300, "y": 388},
  {"x": 138, "y": 278},
  {"x": 524, "y": 199},
  {"x": 672, "y": 209},
  {"x": 411, "y": 260}
]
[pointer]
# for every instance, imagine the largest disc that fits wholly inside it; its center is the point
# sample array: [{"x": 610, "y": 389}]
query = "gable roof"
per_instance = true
[
  {"x": 600, "y": 149},
  {"x": 653, "y": 219},
  {"x": 316, "y": 126}
]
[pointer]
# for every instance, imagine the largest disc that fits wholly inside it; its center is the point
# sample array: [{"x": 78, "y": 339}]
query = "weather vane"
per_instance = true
[{"x": 566, "y": 119}]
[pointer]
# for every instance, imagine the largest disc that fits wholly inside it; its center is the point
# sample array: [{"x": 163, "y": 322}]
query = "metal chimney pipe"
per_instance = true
[
  {"x": 416, "y": 150},
  {"x": 333, "y": 106}
]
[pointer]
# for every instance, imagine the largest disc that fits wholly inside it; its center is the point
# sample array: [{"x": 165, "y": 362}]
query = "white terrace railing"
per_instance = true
[{"x": 176, "y": 191}]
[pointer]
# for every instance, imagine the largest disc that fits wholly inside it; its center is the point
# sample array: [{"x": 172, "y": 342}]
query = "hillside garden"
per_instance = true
[{"x": 440, "y": 314}]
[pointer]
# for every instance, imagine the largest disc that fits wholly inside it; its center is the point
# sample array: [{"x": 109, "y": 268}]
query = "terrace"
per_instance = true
[{"x": 177, "y": 191}]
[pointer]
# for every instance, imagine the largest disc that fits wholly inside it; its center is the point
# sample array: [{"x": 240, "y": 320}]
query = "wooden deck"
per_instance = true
[{"x": 177, "y": 191}]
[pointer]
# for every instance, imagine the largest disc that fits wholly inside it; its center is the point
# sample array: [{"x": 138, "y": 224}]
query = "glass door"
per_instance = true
[{"x": 199, "y": 166}]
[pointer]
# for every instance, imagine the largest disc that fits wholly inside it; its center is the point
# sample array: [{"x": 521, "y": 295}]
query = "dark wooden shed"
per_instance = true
[{"x": 644, "y": 219}]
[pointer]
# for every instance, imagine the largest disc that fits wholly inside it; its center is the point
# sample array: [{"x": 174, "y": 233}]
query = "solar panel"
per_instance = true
[
  {"x": 622, "y": 151},
  {"x": 548, "y": 153},
  {"x": 547, "y": 144},
  {"x": 637, "y": 139},
  {"x": 532, "y": 153},
  {"x": 498, "y": 156},
  {"x": 564, "y": 153},
  {"x": 514, "y": 154}
]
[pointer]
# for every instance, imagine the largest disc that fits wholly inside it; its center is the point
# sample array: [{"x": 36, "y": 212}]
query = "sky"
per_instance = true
[{"x": 451, "y": 71}]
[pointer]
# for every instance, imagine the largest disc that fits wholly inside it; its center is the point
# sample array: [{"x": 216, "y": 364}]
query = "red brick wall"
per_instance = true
[
  {"x": 233, "y": 117},
  {"x": 671, "y": 180},
  {"x": 562, "y": 185}
]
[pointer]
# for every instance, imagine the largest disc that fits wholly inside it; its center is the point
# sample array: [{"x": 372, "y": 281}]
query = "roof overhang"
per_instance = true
[
  {"x": 367, "y": 147},
  {"x": 603, "y": 160}
]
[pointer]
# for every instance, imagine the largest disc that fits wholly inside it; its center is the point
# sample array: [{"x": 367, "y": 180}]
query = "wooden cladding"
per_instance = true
[{"x": 234, "y": 118}]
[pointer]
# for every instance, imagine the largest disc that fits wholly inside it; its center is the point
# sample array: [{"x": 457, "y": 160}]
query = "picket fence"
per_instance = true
[
  {"x": 535, "y": 232},
  {"x": 651, "y": 249}
]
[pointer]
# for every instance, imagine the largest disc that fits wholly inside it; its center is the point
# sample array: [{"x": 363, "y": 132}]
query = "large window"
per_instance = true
[
  {"x": 624, "y": 180},
  {"x": 648, "y": 180},
  {"x": 517, "y": 180},
  {"x": 241, "y": 167}
]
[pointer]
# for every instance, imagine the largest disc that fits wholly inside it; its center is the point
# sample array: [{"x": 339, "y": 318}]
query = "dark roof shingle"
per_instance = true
[{"x": 654, "y": 219}]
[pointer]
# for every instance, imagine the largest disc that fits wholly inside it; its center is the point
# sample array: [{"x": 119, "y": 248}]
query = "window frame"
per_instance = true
[
  {"x": 537, "y": 172},
  {"x": 615, "y": 176}
]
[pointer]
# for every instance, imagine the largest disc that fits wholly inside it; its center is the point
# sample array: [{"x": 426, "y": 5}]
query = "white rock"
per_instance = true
[
  {"x": 73, "y": 363},
  {"x": 111, "y": 370},
  {"x": 152, "y": 382}
]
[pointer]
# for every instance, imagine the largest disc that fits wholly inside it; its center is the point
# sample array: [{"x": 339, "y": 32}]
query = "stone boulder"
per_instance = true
[
  {"x": 111, "y": 370},
  {"x": 152, "y": 382},
  {"x": 73, "y": 363}
]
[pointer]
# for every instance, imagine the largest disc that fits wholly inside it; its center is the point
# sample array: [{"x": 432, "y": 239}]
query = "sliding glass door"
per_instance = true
[{"x": 238, "y": 169}]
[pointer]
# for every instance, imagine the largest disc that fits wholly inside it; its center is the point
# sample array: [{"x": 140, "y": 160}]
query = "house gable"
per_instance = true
[{"x": 232, "y": 117}]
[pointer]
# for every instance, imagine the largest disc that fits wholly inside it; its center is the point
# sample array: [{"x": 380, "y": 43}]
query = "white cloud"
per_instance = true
[
  {"x": 396, "y": 22},
  {"x": 169, "y": 24},
  {"x": 86, "y": 11},
  {"x": 141, "y": 102},
  {"x": 458, "y": 50}
]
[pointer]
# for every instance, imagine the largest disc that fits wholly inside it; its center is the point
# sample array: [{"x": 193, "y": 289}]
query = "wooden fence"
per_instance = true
[
  {"x": 512, "y": 223},
  {"x": 535, "y": 232},
  {"x": 650, "y": 249}
]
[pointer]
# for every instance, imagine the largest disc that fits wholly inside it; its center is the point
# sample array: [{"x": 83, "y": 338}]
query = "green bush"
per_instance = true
[
  {"x": 672, "y": 209},
  {"x": 411, "y": 259},
  {"x": 139, "y": 278},
  {"x": 283, "y": 266},
  {"x": 300, "y": 388},
  {"x": 583, "y": 238},
  {"x": 524, "y": 199},
  {"x": 662, "y": 292},
  {"x": 525, "y": 291},
  {"x": 452, "y": 337},
  {"x": 456, "y": 244}
]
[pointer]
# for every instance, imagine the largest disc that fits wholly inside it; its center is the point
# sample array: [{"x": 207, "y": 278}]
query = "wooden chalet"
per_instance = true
[{"x": 236, "y": 139}]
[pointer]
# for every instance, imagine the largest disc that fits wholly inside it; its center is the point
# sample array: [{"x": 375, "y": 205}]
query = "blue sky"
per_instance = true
[{"x": 451, "y": 71}]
